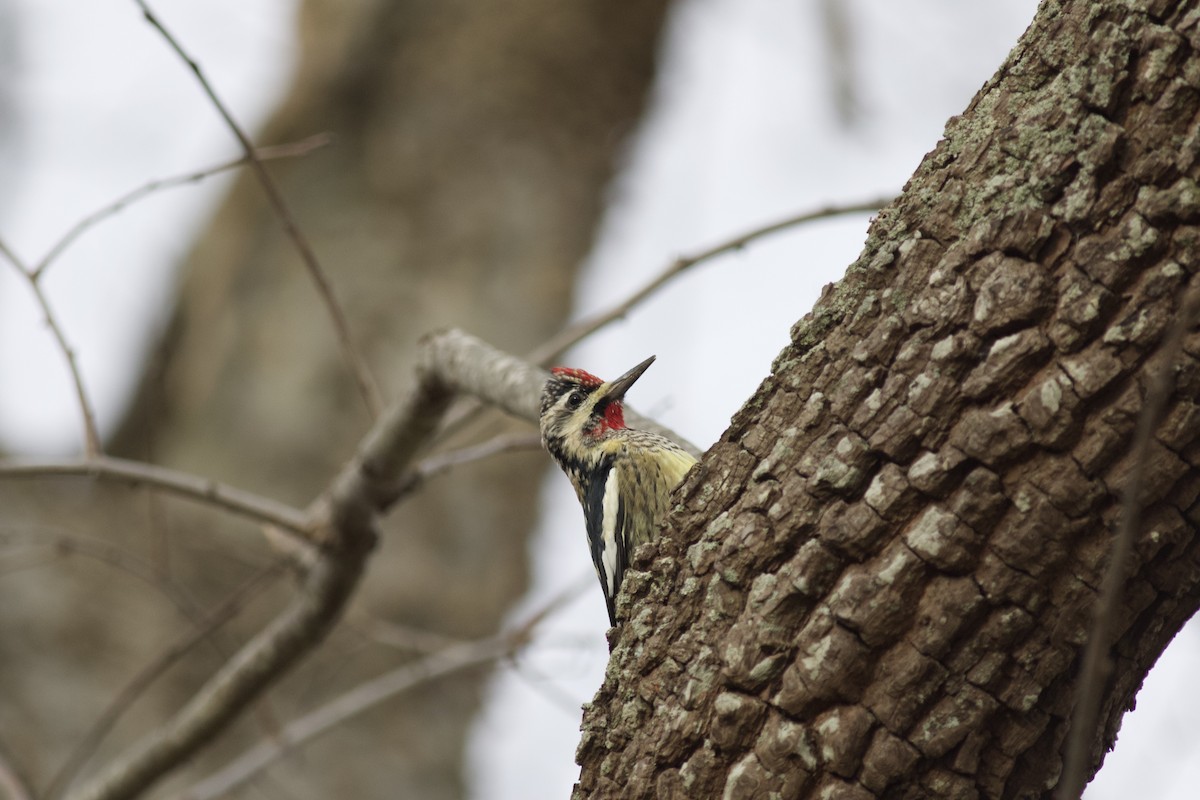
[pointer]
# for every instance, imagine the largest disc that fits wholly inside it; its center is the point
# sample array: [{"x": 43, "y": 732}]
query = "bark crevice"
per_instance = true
[{"x": 909, "y": 522}]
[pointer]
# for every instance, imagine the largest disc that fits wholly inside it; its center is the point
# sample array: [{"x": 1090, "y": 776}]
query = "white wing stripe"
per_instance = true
[{"x": 608, "y": 532}]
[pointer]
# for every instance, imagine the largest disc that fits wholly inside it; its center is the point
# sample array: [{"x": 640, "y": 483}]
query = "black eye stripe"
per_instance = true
[{"x": 563, "y": 388}]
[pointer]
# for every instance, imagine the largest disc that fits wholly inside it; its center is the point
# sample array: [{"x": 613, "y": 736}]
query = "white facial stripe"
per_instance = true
[{"x": 608, "y": 532}]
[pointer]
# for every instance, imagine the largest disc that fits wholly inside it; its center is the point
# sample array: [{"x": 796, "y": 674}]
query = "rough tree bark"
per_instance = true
[{"x": 880, "y": 580}]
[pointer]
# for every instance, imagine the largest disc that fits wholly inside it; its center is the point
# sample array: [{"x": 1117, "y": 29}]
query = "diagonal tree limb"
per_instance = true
[
  {"x": 302, "y": 624},
  {"x": 445, "y": 661},
  {"x": 32, "y": 558},
  {"x": 343, "y": 526},
  {"x": 358, "y": 700},
  {"x": 134, "y": 688}
]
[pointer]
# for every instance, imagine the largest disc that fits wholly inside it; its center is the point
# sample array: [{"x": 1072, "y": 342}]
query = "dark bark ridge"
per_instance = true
[{"x": 878, "y": 583}]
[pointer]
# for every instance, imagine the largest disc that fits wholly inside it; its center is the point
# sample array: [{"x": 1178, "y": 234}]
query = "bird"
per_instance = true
[{"x": 622, "y": 476}]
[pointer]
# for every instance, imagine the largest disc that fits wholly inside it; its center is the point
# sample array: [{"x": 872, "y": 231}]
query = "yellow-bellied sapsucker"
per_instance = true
[{"x": 622, "y": 476}]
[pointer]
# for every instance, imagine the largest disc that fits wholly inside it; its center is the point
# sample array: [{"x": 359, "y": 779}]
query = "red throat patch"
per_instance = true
[
  {"x": 613, "y": 420},
  {"x": 614, "y": 417}
]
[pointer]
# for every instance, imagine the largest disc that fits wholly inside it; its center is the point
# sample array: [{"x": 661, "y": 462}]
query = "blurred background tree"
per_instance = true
[{"x": 471, "y": 150}]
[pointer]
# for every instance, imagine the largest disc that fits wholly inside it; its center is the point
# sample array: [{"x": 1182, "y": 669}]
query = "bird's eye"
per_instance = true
[{"x": 574, "y": 401}]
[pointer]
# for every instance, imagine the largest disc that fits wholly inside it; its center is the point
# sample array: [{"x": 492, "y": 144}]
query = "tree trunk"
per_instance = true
[{"x": 880, "y": 580}]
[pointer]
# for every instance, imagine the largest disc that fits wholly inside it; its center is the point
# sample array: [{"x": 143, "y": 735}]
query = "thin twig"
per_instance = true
[
  {"x": 91, "y": 435},
  {"x": 548, "y": 351},
  {"x": 261, "y": 661},
  {"x": 194, "y": 487},
  {"x": 1096, "y": 666},
  {"x": 368, "y": 695},
  {"x": 550, "y": 691},
  {"x": 551, "y": 349},
  {"x": 362, "y": 374},
  {"x": 504, "y": 443},
  {"x": 142, "y": 680},
  {"x": 344, "y": 527},
  {"x": 401, "y": 637},
  {"x": 325, "y": 718},
  {"x": 291, "y": 150},
  {"x": 62, "y": 544},
  {"x": 439, "y": 463},
  {"x": 56, "y": 545}
]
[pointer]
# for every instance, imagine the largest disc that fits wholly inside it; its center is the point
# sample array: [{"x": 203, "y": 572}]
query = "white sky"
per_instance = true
[{"x": 743, "y": 133}]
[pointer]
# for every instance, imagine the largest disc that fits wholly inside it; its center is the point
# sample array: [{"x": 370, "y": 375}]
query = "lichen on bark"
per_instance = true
[{"x": 900, "y": 536}]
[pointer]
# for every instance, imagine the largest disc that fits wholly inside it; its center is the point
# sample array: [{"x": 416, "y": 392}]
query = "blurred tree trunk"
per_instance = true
[
  {"x": 880, "y": 580},
  {"x": 473, "y": 146}
]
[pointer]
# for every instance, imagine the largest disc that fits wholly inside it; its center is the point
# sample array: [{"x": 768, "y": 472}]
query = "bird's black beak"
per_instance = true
[{"x": 615, "y": 389}]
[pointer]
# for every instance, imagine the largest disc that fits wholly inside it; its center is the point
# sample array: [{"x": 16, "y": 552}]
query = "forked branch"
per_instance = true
[
  {"x": 91, "y": 433},
  {"x": 291, "y": 150},
  {"x": 358, "y": 365},
  {"x": 445, "y": 661},
  {"x": 342, "y": 528}
]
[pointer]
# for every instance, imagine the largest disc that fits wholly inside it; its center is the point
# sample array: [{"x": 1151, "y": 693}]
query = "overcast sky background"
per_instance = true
[{"x": 744, "y": 131}]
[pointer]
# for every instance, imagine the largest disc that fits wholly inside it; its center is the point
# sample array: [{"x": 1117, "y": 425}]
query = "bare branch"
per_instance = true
[
  {"x": 292, "y": 150},
  {"x": 358, "y": 700},
  {"x": 505, "y": 443},
  {"x": 343, "y": 526},
  {"x": 1097, "y": 664},
  {"x": 449, "y": 362},
  {"x": 550, "y": 350},
  {"x": 343, "y": 522},
  {"x": 60, "y": 544},
  {"x": 438, "y": 463},
  {"x": 91, "y": 433},
  {"x": 362, "y": 375},
  {"x": 305, "y": 622},
  {"x": 571, "y": 335},
  {"x": 366, "y": 696},
  {"x": 142, "y": 680},
  {"x": 54, "y": 545},
  {"x": 401, "y": 637},
  {"x": 550, "y": 691},
  {"x": 194, "y": 487}
]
